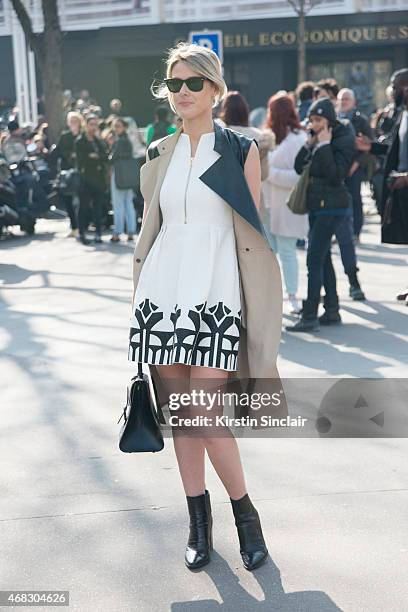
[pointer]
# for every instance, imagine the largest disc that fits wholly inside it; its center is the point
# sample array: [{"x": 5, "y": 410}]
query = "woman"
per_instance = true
[
  {"x": 285, "y": 226},
  {"x": 122, "y": 199},
  {"x": 235, "y": 115},
  {"x": 329, "y": 152},
  {"x": 92, "y": 162},
  {"x": 65, "y": 153},
  {"x": 204, "y": 278}
]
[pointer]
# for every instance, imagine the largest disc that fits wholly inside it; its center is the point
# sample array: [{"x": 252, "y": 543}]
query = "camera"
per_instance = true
[{"x": 392, "y": 177}]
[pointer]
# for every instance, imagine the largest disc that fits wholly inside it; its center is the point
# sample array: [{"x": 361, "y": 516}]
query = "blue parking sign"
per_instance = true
[{"x": 212, "y": 39}]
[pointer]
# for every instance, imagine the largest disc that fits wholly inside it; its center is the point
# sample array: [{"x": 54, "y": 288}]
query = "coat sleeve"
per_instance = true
[
  {"x": 282, "y": 177},
  {"x": 103, "y": 152},
  {"x": 285, "y": 177},
  {"x": 81, "y": 153},
  {"x": 302, "y": 159}
]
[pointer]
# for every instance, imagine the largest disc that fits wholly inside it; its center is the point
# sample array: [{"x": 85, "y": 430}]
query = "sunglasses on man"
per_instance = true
[{"x": 195, "y": 83}]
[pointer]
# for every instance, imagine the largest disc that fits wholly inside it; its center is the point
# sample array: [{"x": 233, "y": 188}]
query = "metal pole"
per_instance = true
[
  {"x": 33, "y": 88},
  {"x": 16, "y": 61},
  {"x": 24, "y": 72}
]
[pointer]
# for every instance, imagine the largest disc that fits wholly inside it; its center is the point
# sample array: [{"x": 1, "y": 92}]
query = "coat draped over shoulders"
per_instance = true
[{"x": 260, "y": 277}]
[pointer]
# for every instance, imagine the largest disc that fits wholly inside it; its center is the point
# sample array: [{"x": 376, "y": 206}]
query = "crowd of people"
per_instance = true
[
  {"x": 316, "y": 129},
  {"x": 99, "y": 149}
]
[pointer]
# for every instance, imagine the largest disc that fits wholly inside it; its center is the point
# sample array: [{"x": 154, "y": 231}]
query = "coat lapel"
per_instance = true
[{"x": 225, "y": 177}]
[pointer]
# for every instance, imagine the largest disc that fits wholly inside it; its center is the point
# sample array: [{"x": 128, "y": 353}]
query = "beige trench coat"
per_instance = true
[{"x": 260, "y": 280}]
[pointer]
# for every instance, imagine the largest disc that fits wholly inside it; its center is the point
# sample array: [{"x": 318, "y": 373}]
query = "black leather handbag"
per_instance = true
[{"x": 140, "y": 432}]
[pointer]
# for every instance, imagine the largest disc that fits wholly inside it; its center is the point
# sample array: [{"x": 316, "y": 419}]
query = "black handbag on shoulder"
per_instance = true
[{"x": 141, "y": 432}]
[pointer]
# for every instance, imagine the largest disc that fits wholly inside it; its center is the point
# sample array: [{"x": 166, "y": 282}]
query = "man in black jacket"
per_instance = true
[
  {"x": 330, "y": 150},
  {"x": 394, "y": 204},
  {"x": 92, "y": 159}
]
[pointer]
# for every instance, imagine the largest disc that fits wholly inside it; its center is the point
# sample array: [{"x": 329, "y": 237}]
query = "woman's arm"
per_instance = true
[
  {"x": 286, "y": 177},
  {"x": 282, "y": 177},
  {"x": 252, "y": 171}
]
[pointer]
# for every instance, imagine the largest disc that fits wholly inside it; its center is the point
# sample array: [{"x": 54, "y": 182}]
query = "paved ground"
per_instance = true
[{"x": 77, "y": 514}]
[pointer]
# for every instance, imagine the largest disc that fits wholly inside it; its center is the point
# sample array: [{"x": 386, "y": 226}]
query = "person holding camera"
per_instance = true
[{"x": 329, "y": 150}]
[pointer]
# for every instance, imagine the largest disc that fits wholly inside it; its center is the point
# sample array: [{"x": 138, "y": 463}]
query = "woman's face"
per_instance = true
[
  {"x": 191, "y": 104},
  {"x": 92, "y": 127},
  {"x": 74, "y": 125},
  {"x": 318, "y": 123},
  {"x": 119, "y": 128}
]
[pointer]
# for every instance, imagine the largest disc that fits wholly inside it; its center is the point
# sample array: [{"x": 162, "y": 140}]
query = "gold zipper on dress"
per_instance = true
[{"x": 185, "y": 193}]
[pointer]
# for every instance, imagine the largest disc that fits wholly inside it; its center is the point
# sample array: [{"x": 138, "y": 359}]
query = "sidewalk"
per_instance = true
[{"x": 77, "y": 514}]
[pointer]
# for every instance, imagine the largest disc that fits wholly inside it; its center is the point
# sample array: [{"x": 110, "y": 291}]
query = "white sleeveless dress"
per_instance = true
[{"x": 187, "y": 306}]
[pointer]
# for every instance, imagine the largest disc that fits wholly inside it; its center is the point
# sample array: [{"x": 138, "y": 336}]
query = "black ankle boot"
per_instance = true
[
  {"x": 308, "y": 321},
  {"x": 252, "y": 544},
  {"x": 355, "y": 291},
  {"x": 200, "y": 539},
  {"x": 330, "y": 318}
]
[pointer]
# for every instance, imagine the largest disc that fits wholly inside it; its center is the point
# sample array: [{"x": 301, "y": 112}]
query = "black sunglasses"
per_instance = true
[{"x": 195, "y": 83}]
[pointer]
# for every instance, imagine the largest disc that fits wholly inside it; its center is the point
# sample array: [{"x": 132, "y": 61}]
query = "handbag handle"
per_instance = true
[{"x": 140, "y": 375}]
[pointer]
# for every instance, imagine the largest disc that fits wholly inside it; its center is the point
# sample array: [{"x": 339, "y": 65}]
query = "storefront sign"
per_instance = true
[{"x": 330, "y": 36}]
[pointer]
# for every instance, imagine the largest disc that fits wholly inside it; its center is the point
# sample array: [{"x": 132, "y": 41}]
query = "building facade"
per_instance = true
[{"x": 116, "y": 49}]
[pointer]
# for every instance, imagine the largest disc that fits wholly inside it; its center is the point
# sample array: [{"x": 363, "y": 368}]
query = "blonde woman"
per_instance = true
[
  {"x": 66, "y": 155},
  {"x": 204, "y": 279}
]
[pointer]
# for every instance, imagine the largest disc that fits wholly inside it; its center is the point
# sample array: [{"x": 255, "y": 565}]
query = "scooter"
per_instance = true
[{"x": 10, "y": 213}]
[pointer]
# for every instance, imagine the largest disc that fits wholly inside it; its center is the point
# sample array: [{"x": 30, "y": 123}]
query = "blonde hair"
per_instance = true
[
  {"x": 200, "y": 59},
  {"x": 75, "y": 115}
]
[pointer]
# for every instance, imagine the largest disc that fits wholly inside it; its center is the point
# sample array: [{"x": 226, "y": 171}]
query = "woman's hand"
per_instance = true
[
  {"x": 311, "y": 139},
  {"x": 252, "y": 171}
]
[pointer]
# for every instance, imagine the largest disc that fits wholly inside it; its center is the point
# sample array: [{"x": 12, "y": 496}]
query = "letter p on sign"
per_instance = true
[{"x": 210, "y": 39}]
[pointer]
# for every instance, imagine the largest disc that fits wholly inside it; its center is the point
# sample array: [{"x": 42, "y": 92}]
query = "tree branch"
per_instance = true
[
  {"x": 27, "y": 26},
  {"x": 295, "y": 5},
  {"x": 304, "y": 6}
]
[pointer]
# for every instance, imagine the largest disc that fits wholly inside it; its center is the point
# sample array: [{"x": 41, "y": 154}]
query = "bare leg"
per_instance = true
[
  {"x": 222, "y": 450},
  {"x": 190, "y": 452}
]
